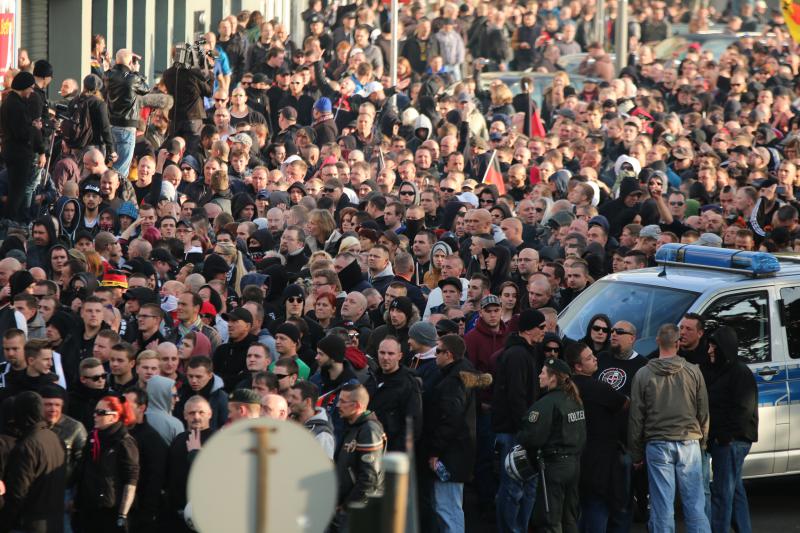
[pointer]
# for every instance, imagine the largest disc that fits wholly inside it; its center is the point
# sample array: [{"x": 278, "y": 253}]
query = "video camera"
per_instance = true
[{"x": 193, "y": 55}]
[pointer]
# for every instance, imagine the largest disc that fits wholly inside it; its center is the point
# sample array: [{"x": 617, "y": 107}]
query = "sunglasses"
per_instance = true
[
  {"x": 459, "y": 320},
  {"x": 294, "y": 300},
  {"x": 446, "y": 189},
  {"x": 439, "y": 351},
  {"x": 406, "y": 193},
  {"x": 353, "y": 335},
  {"x": 96, "y": 378},
  {"x": 552, "y": 349},
  {"x": 620, "y": 331},
  {"x": 602, "y": 329},
  {"x": 281, "y": 376},
  {"x": 104, "y": 412},
  {"x": 220, "y": 99},
  {"x": 676, "y": 204}
]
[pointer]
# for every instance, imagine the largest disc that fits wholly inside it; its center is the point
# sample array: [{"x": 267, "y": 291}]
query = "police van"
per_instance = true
[{"x": 755, "y": 293}]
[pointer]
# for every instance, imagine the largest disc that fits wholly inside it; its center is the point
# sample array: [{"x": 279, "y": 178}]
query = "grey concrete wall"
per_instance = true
[{"x": 69, "y": 54}]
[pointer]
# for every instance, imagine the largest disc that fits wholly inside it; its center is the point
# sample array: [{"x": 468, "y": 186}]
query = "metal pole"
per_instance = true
[
  {"x": 395, "y": 497},
  {"x": 621, "y": 44},
  {"x": 262, "y": 452},
  {"x": 600, "y": 23},
  {"x": 395, "y": 43}
]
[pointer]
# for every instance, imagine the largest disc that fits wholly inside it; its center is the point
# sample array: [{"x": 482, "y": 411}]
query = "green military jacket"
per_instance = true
[{"x": 555, "y": 425}]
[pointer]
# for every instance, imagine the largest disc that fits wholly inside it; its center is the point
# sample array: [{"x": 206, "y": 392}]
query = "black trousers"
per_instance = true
[
  {"x": 562, "y": 477},
  {"x": 20, "y": 176}
]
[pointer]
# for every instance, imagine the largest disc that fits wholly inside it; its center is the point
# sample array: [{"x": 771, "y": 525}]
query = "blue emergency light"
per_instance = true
[{"x": 755, "y": 263}]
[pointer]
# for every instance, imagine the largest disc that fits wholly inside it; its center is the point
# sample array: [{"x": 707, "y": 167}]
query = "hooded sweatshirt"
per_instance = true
[
  {"x": 69, "y": 230},
  {"x": 159, "y": 409},
  {"x": 668, "y": 402},
  {"x": 732, "y": 392}
]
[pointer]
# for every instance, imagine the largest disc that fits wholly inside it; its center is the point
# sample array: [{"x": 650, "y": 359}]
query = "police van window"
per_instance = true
[
  {"x": 791, "y": 319},
  {"x": 748, "y": 314},
  {"x": 645, "y": 306}
]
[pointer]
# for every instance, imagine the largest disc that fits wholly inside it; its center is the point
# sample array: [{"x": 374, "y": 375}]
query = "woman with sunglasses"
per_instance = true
[
  {"x": 598, "y": 333},
  {"x": 408, "y": 193},
  {"x": 109, "y": 471}
]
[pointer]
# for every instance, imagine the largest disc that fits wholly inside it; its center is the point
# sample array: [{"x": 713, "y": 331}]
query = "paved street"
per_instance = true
[{"x": 773, "y": 506}]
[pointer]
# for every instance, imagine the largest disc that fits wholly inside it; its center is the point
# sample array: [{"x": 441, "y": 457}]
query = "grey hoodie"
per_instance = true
[
  {"x": 668, "y": 402},
  {"x": 159, "y": 408}
]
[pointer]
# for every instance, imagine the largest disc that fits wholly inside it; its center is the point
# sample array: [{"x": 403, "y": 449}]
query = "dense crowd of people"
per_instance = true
[{"x": 276, "y": 229}]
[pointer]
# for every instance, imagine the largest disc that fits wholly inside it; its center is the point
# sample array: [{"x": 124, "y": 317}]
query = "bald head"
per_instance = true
[
  {"x": 274, "y": 406},
  {"x": 539, "y": 292},
  {"x": 528, "y": 261},
  {"x": 354, "y": 306},
  {"x": 8, "y": 266},
  {"x": 124, "y": 57},
  {"x": 167, "y": 349}
]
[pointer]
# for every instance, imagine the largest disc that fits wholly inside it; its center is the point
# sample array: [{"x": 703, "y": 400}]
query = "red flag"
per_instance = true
[
  {"x": 493, "y": 174},
  {"x": 537, "y": 128}
]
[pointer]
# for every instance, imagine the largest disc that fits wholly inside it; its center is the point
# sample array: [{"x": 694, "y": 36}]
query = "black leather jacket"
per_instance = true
[
  {"x": 358, "y": 460},
  {"x": 123, "y": 87}
]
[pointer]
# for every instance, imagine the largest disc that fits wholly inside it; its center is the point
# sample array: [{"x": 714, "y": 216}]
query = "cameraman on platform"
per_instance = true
[
  {"x": 124, "y": 85},
  {"x": 188, "y": 85}
]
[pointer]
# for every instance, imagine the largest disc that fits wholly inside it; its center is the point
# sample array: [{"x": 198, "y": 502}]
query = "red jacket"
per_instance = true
[{"x": 481, "y": 344}]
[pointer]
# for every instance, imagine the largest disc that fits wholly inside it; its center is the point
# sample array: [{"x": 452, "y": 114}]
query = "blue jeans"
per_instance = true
[
  {"x": 598, "y": 517},
  {"x": 671, "y": 463},
  {"x": 124, "y": 142},
  {"x": 728, "y": 497},
  {"x": 448, "y": 500},
  {"x": 514, "y": 499}
]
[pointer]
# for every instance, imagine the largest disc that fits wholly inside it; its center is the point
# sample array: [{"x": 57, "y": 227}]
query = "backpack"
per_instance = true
[{"x": 76, "y": 128}]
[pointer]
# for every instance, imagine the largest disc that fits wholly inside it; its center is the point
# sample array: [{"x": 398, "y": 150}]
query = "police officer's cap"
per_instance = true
[{"x": 559, "y": 365}]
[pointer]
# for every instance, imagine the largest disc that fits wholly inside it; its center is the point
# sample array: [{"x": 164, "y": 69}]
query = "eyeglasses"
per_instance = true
[
  {"x": 245, "y": 82},
  {"x": 294, "y": 300},
  {"x": 600, "y": 329},
  {"x": 551, "y": 349},
  {"x": 459, "y": 320},
  {"x": 329, "y": 189},
  {"x": 446, "y": 189},
  {"x": 620, "y": 331},
  {"x": 281, "y": 376},
  {"x": 104, "y": 412},
  {"x": 676, "y": 204},
  {"x": 407, "y": 193},
  {"x": 96, "y": 378},
  {"x": 486, "y": 202},
  {"x": 439, "y": 351}
]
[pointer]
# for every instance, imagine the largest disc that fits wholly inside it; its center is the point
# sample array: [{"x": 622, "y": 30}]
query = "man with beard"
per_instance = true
[
  {"x": 43, "y": 238},
  {"x": 293, "y": 248},
  {"x": 302, "y": 401},
  {"x": 197, "y": 413},
  {"x": 92, "y": 199}
]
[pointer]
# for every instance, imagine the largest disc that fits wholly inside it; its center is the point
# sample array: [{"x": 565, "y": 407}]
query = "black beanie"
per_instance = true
[
  {"x": 42, "y": 69},
  {"x": 291, "y": 331},
  {"x": 404, "y": 305},
  {"x": 20, "y": 281},
  {"x": 332, "y": 346},
  {"x": 213, "y": 265},
  {"x": 22, "y": 81},
  {"x": 62, "y": 322},
  {"x": 529, "y": 319}
]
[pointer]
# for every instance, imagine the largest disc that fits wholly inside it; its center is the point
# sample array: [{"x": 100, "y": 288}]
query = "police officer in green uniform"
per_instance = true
[{"x": 553, "y": 435}]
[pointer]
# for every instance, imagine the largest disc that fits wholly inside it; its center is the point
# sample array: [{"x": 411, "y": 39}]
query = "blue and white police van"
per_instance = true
[{"x": 757, "y": 294}]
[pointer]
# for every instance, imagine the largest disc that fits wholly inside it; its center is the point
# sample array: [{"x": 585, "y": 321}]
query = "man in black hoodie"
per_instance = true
[
  {"x": 516, "y": 388},
  {"x": 622, "y": 210},
  {"x": 36, "y": 476},
  {"x": 733, "y": 410}
]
